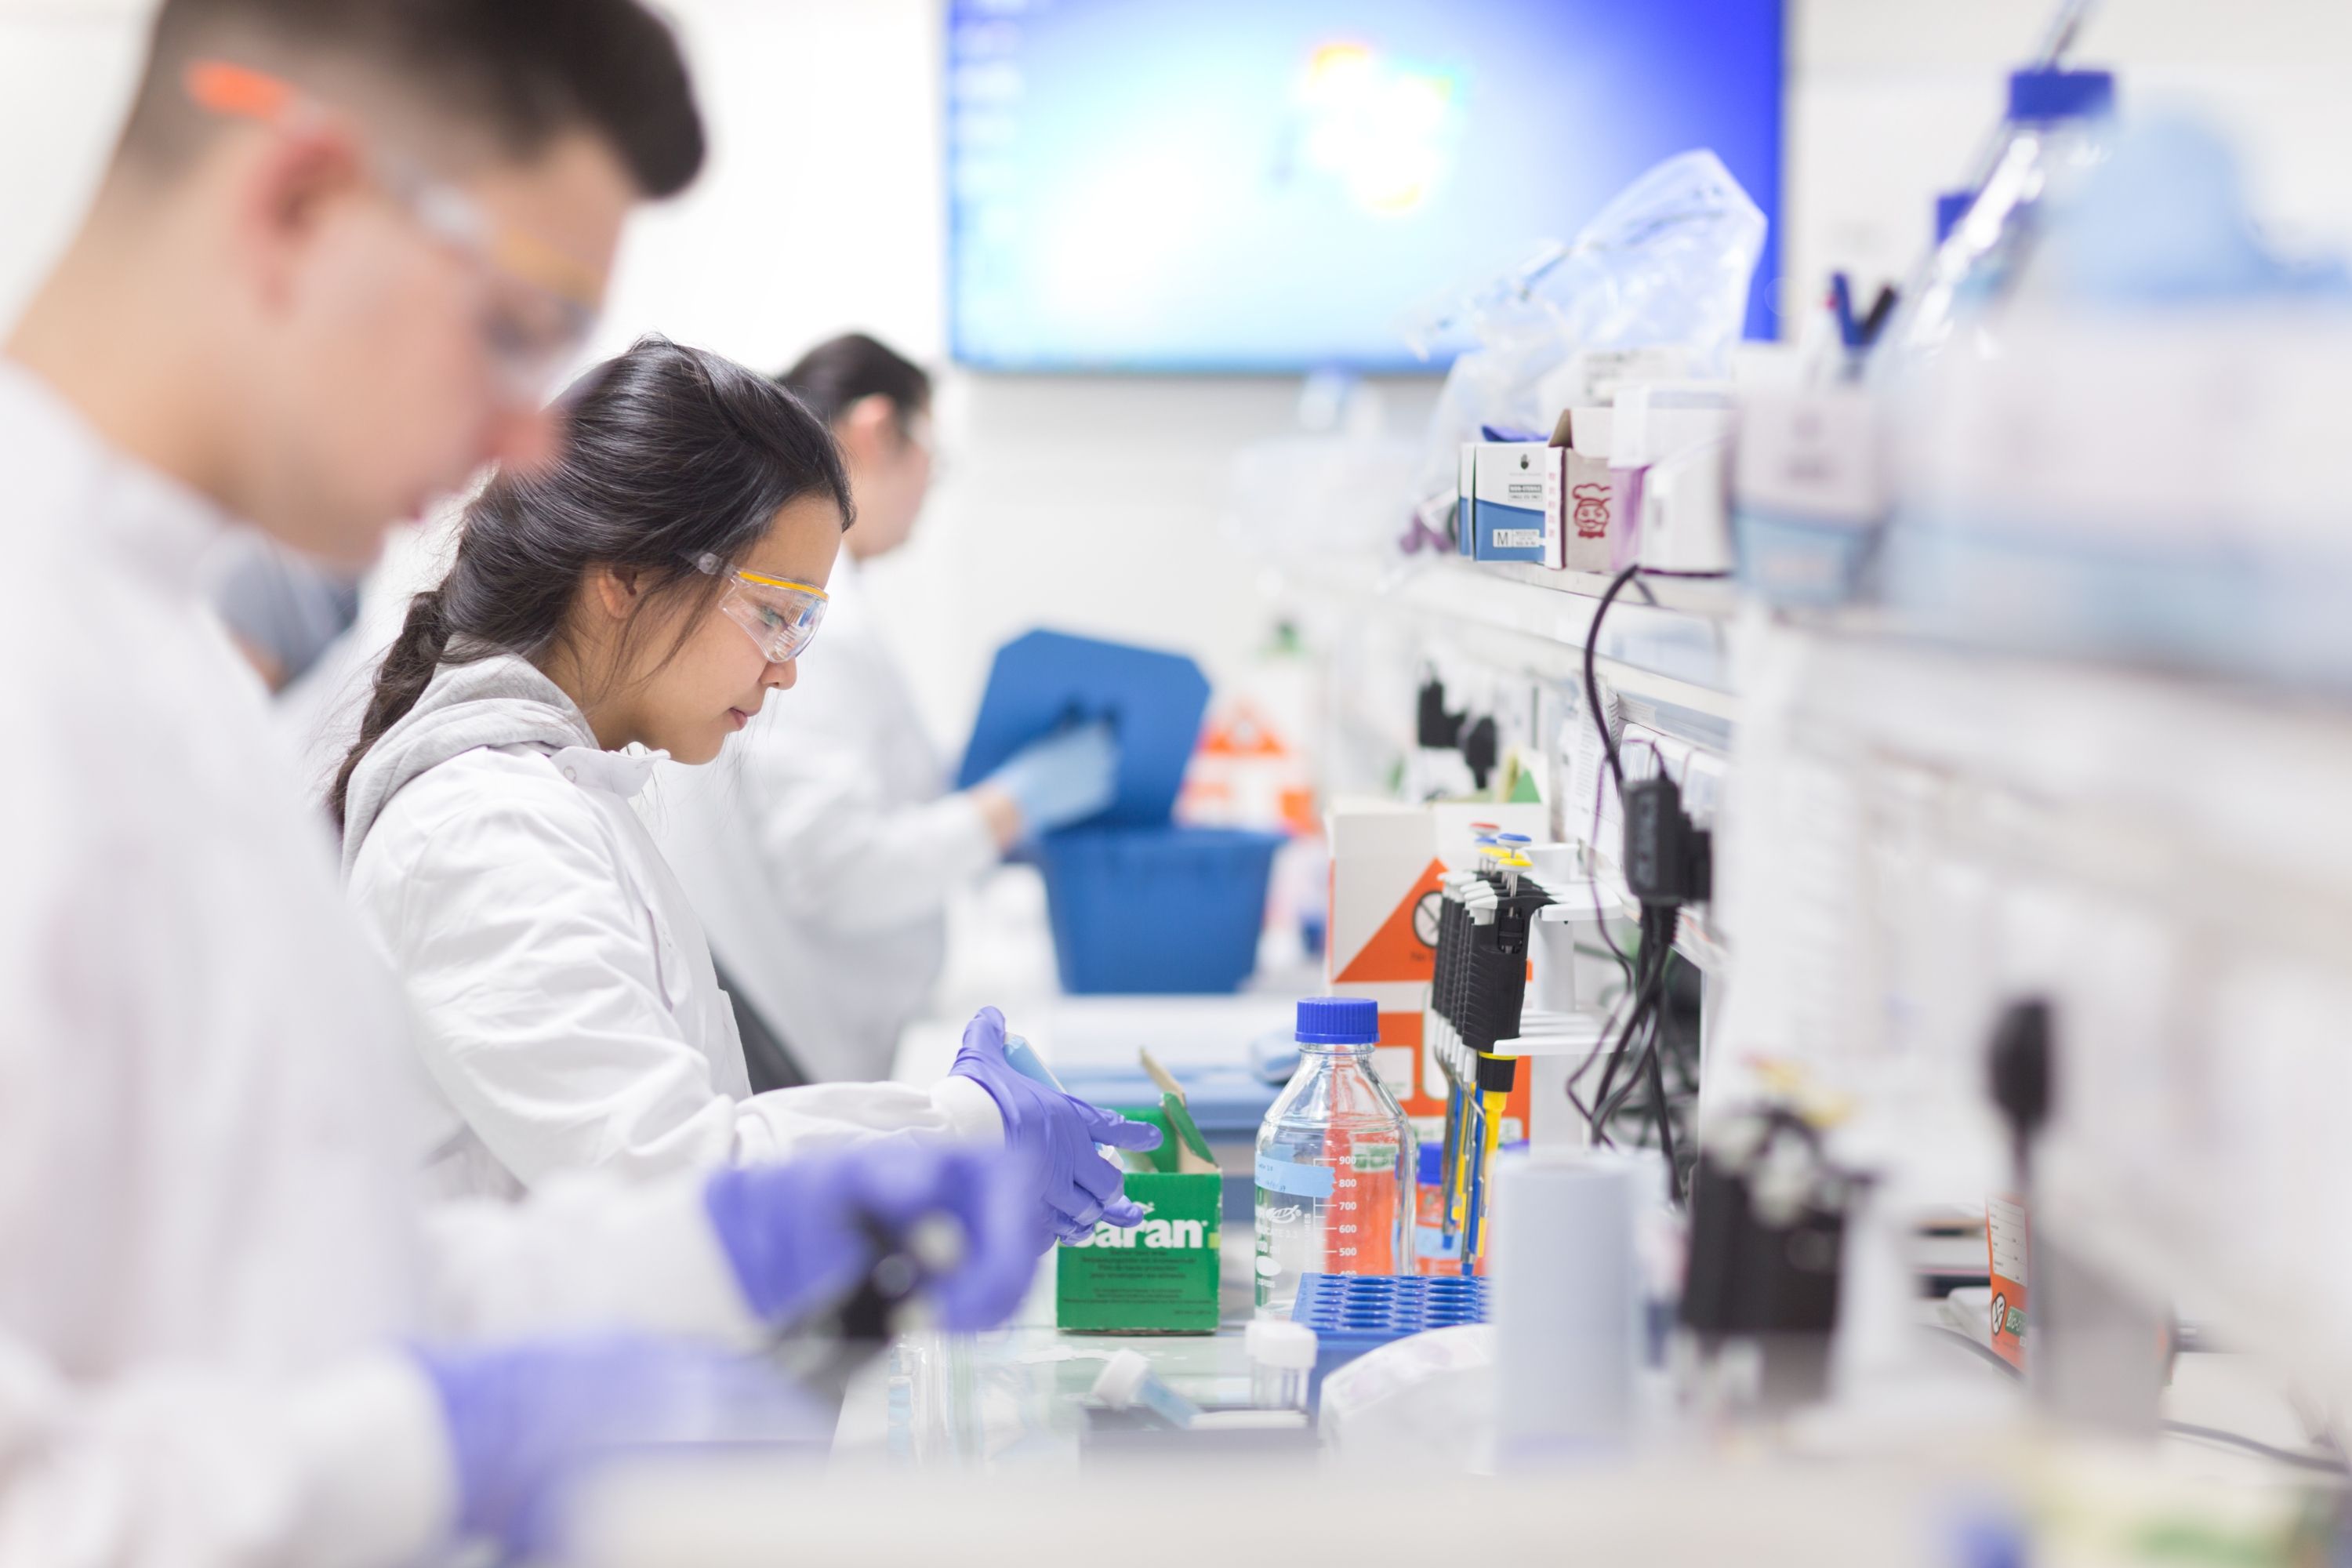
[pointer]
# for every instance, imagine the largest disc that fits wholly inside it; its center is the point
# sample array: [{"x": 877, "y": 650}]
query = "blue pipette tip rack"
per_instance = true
[
  {"x": 1384, "y": 1306},
  {"x": 1355, "y": 1313}
]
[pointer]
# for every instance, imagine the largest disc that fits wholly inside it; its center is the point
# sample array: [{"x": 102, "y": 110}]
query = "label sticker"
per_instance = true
[{"x": 1290, "y": 1176}]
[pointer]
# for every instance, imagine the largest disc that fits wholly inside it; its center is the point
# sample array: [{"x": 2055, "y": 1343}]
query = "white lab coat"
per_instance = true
[
  {"x": 822, "y": 849},
  {"x": 569, "y": 1016},
  {"x": 210, "y": 1243}
]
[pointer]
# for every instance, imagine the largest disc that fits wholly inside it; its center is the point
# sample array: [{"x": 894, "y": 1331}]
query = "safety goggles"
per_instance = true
[
  {"x": 780, "y": 617},
  {"x": 540, "y": 304}
]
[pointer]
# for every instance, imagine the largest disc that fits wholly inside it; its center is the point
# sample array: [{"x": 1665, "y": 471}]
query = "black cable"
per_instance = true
[
  {"x": 1648, "y": 977},
  {"x": 1632, "y": 995},
  {"x": 1608, "y": 1026},
  {"x": 1683, "y": 1070},
  {"x": 1665, "y": 1124},
  {"x": 1652, "y": 970},
  {"x": 1600, "y": 796},
  {"x": 1600, "y": 916},
  {"x": 1624, "y": 1043},
  {"x": 1655, "y": 755},
  {"x": 2329, "y": 1463},
  {"x": 1593, "y": 680}
]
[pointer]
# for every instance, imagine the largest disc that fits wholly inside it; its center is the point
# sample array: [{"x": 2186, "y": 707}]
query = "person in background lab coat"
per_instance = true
[
  {"x": 822, "y": 855},
  {"x": 337, "y": 250},
  {"x": 647, "y": 589},
  {"x": 284, "y": 611}
]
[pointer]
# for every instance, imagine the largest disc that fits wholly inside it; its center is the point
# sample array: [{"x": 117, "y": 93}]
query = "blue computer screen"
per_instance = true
[{"x": 1278, "y": 185}]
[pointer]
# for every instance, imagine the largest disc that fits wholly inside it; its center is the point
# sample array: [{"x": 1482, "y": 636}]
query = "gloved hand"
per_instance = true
[
  {"x": 1056, "y": 1132},
  {"x": 1065, "y": 778},
  {"x": 525, "y": 1420},
  {"x": 798, "y": 1232}
]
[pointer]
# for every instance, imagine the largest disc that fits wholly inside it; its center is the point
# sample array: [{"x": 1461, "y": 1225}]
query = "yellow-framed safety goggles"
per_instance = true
[
  {"x": 542, "y": 304},
  {"x": 778, "y": 616}
]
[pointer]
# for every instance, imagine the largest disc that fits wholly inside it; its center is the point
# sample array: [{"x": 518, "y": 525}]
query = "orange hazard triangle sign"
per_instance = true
[
  {"x": 1242, "y": 731},
  {"x": 1405, "y": 947}
]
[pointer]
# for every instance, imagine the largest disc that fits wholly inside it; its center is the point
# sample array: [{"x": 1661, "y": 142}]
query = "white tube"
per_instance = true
[{"x": 1567, "y": 1302}]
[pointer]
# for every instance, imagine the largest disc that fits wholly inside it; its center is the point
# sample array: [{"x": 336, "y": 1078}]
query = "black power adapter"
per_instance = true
[{"x": 1669, "y": 860}]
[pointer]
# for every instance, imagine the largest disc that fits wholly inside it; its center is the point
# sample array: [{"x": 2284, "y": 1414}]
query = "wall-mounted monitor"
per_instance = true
[{"x": 1278, "y": 185}]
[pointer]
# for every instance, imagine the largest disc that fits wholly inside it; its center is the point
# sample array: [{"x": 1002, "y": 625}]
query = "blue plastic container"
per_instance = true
[
  {"x": 1141, "y": 910},
  {"x": 1152, "y": 700},
  {"x": 1352, "y": 1314}
]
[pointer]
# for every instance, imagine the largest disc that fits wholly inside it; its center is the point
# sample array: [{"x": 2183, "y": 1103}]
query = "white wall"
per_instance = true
[{"x": 1095, "y": 503}]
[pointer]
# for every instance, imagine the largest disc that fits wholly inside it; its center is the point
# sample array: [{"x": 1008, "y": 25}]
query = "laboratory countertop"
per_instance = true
[
  {"x": 974, "y": 1449},
  {"x": 1017, "y": 1397}
]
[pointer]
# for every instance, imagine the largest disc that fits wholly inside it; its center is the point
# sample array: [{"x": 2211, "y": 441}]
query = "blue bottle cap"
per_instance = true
[
  {"x": 1339, "y": 1021},
  {"x": 2061, "y": 95},
  {"x": 1432, "y": 1162},
  {"x": 1950, "y": 208}
]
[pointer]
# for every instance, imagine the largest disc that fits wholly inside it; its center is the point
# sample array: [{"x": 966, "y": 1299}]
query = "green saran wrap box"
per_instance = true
[{"x": 1160, "y": 1278}]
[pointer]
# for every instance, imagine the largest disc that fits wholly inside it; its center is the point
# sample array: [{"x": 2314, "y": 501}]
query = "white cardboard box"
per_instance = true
[{"x": 1580, "y": 509}]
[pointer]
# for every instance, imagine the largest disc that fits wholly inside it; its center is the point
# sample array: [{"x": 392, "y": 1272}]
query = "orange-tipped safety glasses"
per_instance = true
[
  {"x": 781, "y": 617},
  {"x": 541, "y": 303}
]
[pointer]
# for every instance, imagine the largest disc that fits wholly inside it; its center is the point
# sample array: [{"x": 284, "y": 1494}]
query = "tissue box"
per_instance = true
[
  {"x": 1160, "y": 1276},
  {"x": 1506, "y": 491},
  {"x": 1579, "y": 505}
]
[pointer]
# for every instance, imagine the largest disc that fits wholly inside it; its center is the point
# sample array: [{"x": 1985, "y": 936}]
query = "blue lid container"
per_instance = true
[
  {"x": 1043, "y": 682},
  {"x": 1339, "y": 1021},
  {"x": 1146, "y": 910},
  {"x": 2041, "y": 95}
]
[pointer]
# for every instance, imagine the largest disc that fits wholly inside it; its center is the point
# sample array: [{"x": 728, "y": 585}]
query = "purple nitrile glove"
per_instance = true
[
  {"x": 797, "y": 1232},
  {"x": 525, "y": 1420},
  {"x": 1056, "y": 1134}
]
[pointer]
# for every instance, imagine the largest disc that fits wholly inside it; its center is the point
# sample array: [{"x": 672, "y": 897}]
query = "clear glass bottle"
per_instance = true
[
  {"x": 2055, "y": 133},
  {"x": 1335, "y": 1160}
]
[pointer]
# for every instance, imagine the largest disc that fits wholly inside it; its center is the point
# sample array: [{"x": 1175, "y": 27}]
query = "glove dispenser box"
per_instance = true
[{"x": 1138, "y": 904}]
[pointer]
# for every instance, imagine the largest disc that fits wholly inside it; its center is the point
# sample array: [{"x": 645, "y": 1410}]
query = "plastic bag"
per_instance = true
[{"x": 1666, "y": 264}]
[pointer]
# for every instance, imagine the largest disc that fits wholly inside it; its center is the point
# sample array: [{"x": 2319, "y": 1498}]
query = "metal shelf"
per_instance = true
[{"x": 1666, "y": 640}]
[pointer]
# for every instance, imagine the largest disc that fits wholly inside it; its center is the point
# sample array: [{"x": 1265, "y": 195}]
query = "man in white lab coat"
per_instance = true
[
  {"x": 339, "y": 246},
  {"x": 821, "y": 852}
]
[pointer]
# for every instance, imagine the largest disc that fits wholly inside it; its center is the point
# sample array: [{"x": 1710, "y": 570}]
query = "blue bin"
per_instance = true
[{"x": 1143, "y": 911}]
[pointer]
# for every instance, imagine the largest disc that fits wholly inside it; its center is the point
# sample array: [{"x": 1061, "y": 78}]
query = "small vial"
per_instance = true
[
  {"x": 1128, "y": 1380},
  {"x": 1282, "y": 1357}
]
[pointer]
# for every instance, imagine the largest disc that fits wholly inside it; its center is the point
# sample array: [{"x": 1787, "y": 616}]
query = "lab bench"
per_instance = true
[
  {"x": 1017, "y": 1396},
  {"x": 971, "y": 1450}
]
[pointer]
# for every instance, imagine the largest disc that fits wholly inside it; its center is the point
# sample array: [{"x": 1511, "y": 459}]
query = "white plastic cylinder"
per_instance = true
[
  {"x": 1568, "y": 1302},
  {"x": 1282, "y": 1358}
]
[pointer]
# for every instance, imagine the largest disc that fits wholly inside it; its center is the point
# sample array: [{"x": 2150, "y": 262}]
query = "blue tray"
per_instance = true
[{"x": 1355, "y": 1313}]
